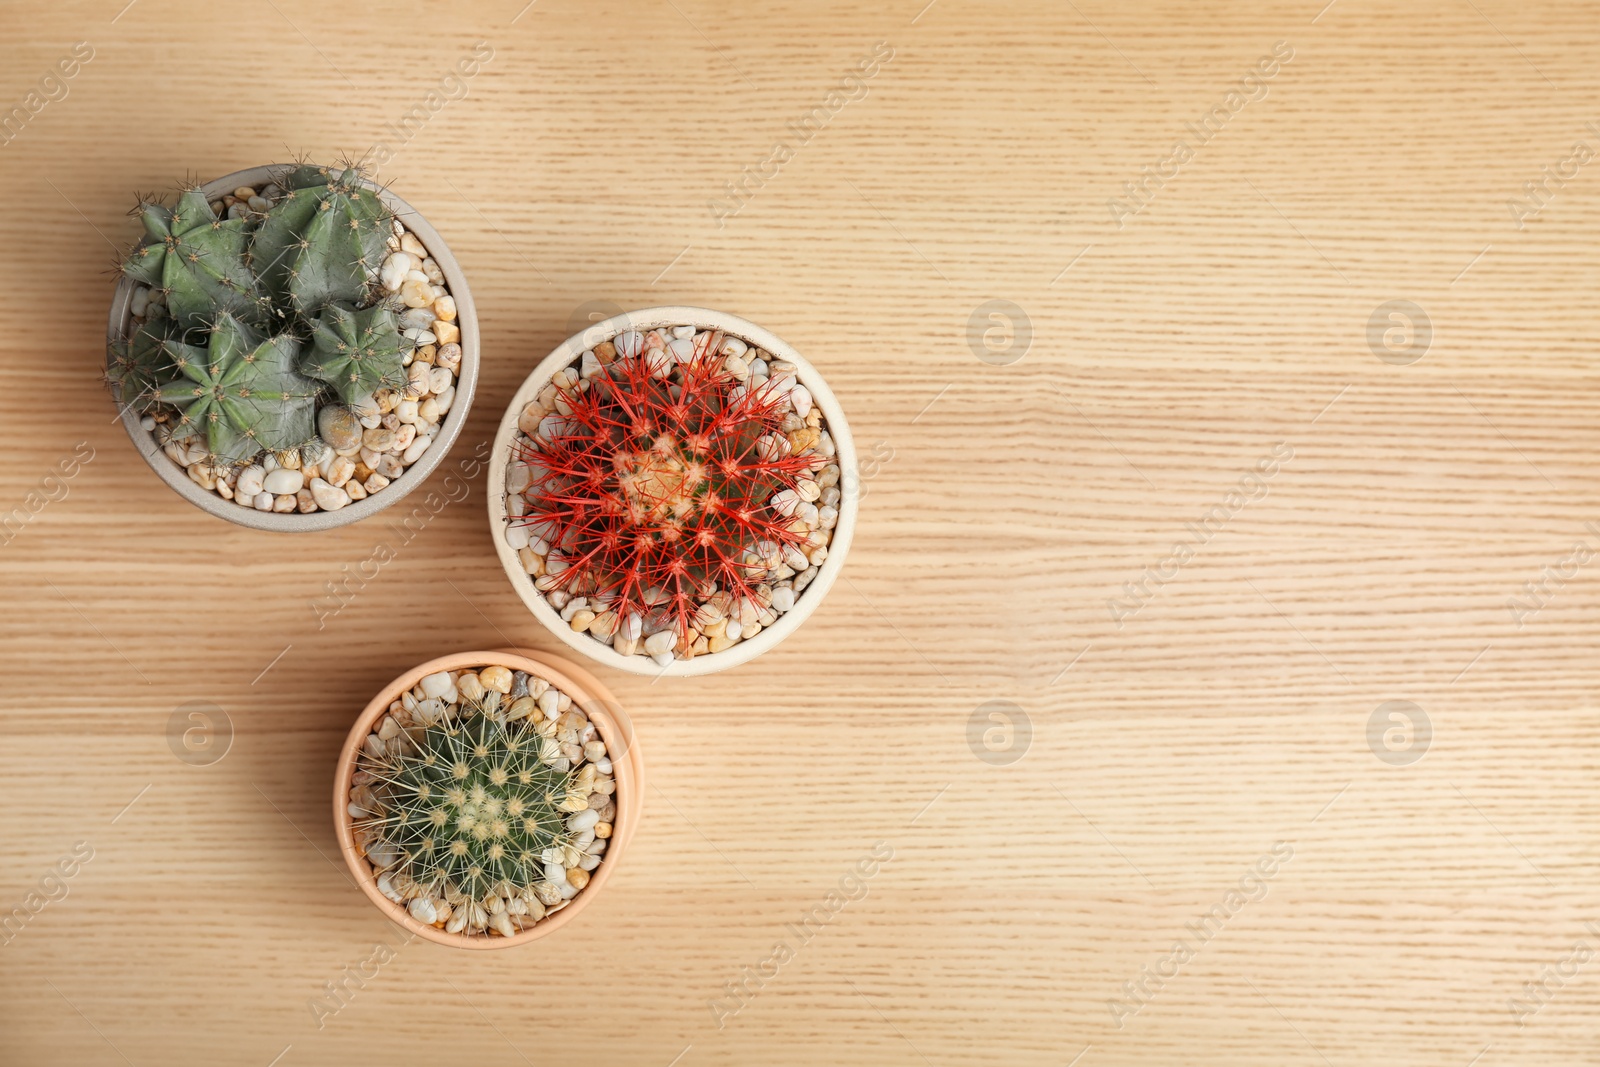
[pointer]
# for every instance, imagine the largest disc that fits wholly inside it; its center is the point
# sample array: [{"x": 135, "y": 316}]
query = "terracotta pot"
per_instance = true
[
  {"x": 650, "y": 318},
  {"x": 414, "y": 476},
  {"x": 614, "y": 728}
]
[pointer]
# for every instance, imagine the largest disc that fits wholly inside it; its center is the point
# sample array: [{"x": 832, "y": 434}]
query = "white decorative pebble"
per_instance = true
[
  {"x": 395, "y": 269},
  {"x": 550, "y": 703},
  {"x": 415, "y": 450},
  {"x": 283, "y": 480},
  {"x": 250, "y": 481},
  {"x": 629, "y": 344},
  {"x": 439, "y": 685},
  {"x": 329, "y": 497}
]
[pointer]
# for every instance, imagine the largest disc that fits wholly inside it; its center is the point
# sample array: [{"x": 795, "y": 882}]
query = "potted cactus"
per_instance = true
[
  {"x": 292, "y": 348},
  {"x": 669, "y": 491},
  {"x": 482, "y": 798}
]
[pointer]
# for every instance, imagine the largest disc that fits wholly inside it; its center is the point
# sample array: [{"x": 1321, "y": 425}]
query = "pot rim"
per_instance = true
[
  {"x": 646, "y": 319},
  {"x": 603, "y": 710},
  {"x": 295, "y": 522}
]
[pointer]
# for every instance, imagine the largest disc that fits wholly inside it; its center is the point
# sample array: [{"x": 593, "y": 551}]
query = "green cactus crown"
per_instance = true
[
  {"x": 251, "y": 319},
  {"x": 475, "y": 804}
]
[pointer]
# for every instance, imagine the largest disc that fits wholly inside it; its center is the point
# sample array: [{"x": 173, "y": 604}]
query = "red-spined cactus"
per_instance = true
[{"x": 652, "y": 481}]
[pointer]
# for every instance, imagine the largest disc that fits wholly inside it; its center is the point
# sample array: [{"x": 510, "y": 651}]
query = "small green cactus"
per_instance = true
[
  {"x": 356, "y": 352},
  {"x": 475, "y": 804},
  {"x": 299, "y": 272},
  {"x": 241, "y": 392},
  {"x": 197, "y": 260},
  {"x": 321, "y": 243},
  {"x": 140, "y": 365}
]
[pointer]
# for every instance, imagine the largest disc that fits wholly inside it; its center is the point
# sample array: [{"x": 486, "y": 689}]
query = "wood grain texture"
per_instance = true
[{"x": 1168, "y": 753}]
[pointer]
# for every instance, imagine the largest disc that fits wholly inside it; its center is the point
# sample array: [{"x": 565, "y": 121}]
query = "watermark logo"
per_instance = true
[
  {"x": 1399, "y": 732},
  {"x": 1252, "y": 487},
  {"x": 999, "y": 333},
  {"x": 1252, "y": 86},
  {"x": 1399, "y": 332},
  {"x": 1138, "y": 991},
  {"x": 52, "y": 86},
  {"x": 590, "y": 312},
  {"x": 199, "y": 733},
  {"x": 342, "y": 591},
  {"x": 852, "y": 886},
  {"x": 338, "y": 993},
  {"x": 1552, "y": 179},
  {"x": 798, "y": 133},
  {"x": 1550, "y": 980},
  {"x": 1552, "y": 578},
  {"x": 999, "y": 733},
  {"x": 452, "y": 86},
  {"x": 50, "y": 888},
  {"x": 853, "y": 481},
  {"x": 52, "y": 487}
]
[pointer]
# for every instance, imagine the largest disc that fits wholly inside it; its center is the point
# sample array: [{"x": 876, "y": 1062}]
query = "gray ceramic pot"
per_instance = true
[{"x": 415, "y": 475}]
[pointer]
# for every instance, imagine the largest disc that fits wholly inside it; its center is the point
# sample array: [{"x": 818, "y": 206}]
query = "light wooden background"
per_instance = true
[{"x": 1166, "y": 358}]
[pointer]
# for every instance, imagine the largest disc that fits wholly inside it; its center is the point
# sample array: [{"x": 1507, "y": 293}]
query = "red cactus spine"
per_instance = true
[{"x": 653, "y": 484}]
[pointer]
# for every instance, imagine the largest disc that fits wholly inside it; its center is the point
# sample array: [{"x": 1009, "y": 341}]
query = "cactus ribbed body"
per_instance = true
[
  {"x": 321, "y": 243},
  {"x": 241, "y": 392},
  {"x": 356, "y": 352},
  {"x": 140, "y": 365},
  {"x": 198, "y": 260}
]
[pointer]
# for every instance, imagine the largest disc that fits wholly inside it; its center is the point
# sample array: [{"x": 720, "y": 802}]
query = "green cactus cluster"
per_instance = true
[
  {"x": 252, "y": 319},
  {"x": 475, "y": 803}
]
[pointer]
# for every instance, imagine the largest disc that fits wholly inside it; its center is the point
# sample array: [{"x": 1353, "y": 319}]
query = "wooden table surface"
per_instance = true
[{"x": 1145, "y": 553}]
